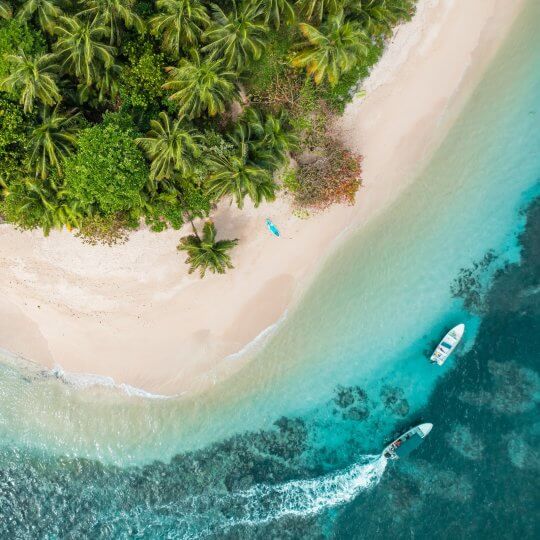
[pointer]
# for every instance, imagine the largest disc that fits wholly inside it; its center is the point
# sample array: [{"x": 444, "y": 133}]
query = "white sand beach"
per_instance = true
[{"x": 133, "y": 313}]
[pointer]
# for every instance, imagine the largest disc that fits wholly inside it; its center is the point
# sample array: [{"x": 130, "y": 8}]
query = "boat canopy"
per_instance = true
[{"x": 408, "y": 446}]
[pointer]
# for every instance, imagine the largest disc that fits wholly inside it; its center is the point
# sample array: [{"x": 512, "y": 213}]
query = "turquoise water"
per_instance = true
[{"x": 287, "y": 447}]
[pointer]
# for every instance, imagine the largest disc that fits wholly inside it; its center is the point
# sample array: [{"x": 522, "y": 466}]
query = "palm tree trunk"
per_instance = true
[{"x": 194, "y": 229}]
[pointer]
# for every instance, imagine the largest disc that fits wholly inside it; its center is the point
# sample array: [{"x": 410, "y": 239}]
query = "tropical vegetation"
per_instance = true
[
  {"x": 207, "y": 253},
  {"x": 115, "y": 113}
]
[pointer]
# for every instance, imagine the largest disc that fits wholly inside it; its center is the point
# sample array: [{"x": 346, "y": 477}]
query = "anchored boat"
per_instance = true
[
  {"x": 408, "y": 442},
  {"x": 447, "y": 345}
]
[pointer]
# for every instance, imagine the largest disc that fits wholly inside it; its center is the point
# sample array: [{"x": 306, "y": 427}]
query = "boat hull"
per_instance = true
[
  {"x": 407, "y": 442},
  {"x": 447, "y": 345}
]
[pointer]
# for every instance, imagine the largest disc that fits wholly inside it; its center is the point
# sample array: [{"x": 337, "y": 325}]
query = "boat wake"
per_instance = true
[
  {"x": 208, "y": 515},
  {"x": 264, "y": 503}
]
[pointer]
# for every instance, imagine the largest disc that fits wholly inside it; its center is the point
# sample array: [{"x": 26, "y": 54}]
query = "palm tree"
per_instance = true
[
  {"x": 378, "y": 17},
  {"x": 238, "y": 175},
  {"x": 206, "y": 253},
  {"x": 32, "y": 78},
  {"x": 5, "y": 10},
  {"x": 179, "y": 22},
  {"x": 170, "y": 145},
  {"x": 236, "y": 37},
  {"x": 46, "y": 11},
  {"x": 80, "y": 48},
  {"x": 276, "y": 11},
  {"x": 316, "y": 9},
  {"x": 112, "y": 13},
  {"x": 52, "y": 141},
  {"x": 332, "y": 50},
  {"x": 272, "y": 136},
  {"x": 47, "y": 204},
  {"x": 201, "y": 85}
]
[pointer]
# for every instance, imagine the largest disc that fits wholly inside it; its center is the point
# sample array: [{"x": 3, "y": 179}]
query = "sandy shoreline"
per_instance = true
[{"x": 131, "y": 312}]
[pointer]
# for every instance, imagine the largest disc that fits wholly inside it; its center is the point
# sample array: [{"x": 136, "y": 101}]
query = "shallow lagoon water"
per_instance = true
[{"x": 285, "y": 448}]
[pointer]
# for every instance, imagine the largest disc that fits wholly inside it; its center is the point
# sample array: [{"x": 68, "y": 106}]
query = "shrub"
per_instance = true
[
  {"x": 108, "y": 230},
  {"x": 142, "y": 78},
  {"x": 108, "y": 171},
  {"x": 16, "y": 35},
  {"x": 333, "y": 178}
]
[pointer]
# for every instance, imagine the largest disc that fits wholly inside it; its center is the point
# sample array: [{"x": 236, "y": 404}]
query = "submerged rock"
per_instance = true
[
  {"x": 472, "y": 283},
  {"x": 393, "y": 399},
  {"x": 353, "y": 402},
  {"x": 463, "y": 441}
]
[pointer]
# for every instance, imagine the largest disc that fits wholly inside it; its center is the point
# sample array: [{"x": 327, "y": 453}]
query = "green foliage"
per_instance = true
[
  {"x": 16, "y": 36},
  {"x": 70, "y": 154},
  {"x": 180, "y": 201},
  {"x": 171, "y": 146},
  {"x": 80, "y": 48},
  {"x": 114, "y": 13},
  {"x": 247, "y": 171},
  {"x": 378, "y": 17},
  {"x": 12, "y": 125},
  {"x": 46, "y": 12},
  {"x": 5, "y": 10},
  {"x": 33, "y": 79},
  {"x": 342, "y": 92},
  {"x": 141, "y": 80},
  {"x": 316, "y": 9},
  {"x": 201, "y": 85},
  {"x": 51, "y": 141},
  {"x": 13, "y": 139},
  {"x": 333, "y": 49},
  {"x": 278, "y": 12},
  {"x": 272, "y": 64},
  {"x": 108, "y": 171},
  {"x": 30, "y": 204},
  {"x": 207, "y": 253},
  {"x": 236, "y": 37},
  {"x": 290, "y": 181},
  {"x": 179, "y": 23}
]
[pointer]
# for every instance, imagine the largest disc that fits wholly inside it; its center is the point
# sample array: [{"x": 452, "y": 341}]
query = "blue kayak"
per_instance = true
[{"x": 271, "y": 227}]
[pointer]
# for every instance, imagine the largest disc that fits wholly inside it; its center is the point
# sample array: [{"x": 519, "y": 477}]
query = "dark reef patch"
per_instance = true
[
  {"x": 353, "y": 403},
  {"x": 472, "y": 283},
  {"x": 393, "y": 399}
]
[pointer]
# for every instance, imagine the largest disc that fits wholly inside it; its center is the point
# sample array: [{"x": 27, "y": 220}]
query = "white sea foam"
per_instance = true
[
  {"x": 89, "y": 380},
  {"x": 304, "y": 497},
  {"x": 258, "y": 340}
]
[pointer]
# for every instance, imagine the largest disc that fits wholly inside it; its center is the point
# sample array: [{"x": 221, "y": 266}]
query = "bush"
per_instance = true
[
  {"x": 142, "y": 78},
  {"x": 333, "y": 178},
  {"x": 26, "y": 207},
  {"x": 108, "y": 171},
  {"x": 272, "y": 65},
  {"x": 108, "y": 230},
  {"x": 16, "y": 35},
  {"x": 12, "y": 139}
]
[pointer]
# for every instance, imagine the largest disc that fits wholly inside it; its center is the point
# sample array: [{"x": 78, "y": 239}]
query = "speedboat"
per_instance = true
[
  {"x": 408, "y": 442},
  {"x": 447, "y": 345}
]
